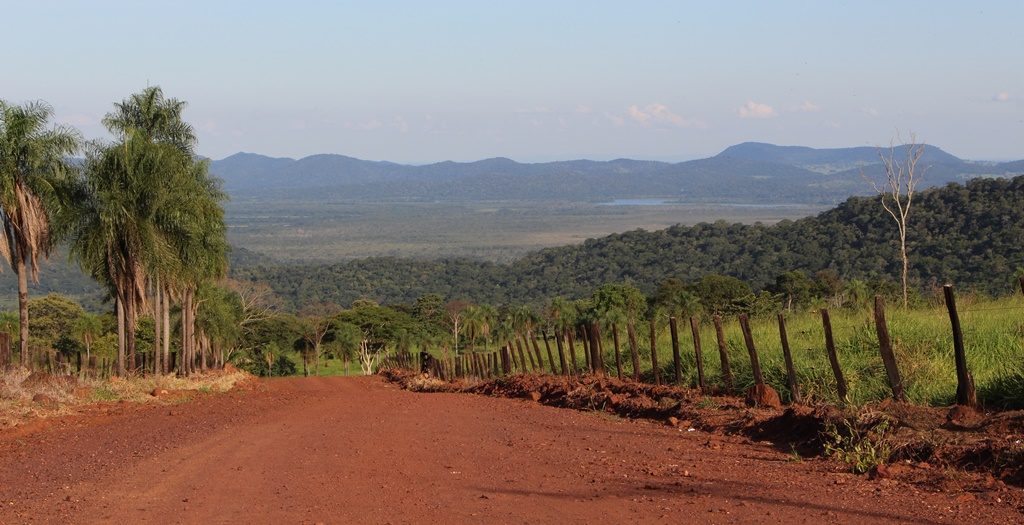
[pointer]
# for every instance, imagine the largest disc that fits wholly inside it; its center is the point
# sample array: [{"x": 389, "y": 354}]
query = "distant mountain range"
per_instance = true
[{"x": 751, "y": 172}]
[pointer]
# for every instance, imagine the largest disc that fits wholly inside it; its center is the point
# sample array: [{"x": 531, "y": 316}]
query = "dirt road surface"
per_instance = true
[{"x": 344, "y": 450}]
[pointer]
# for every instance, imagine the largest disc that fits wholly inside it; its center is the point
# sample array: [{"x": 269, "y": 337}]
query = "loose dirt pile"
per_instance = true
[{"x": 941, "y": 447}]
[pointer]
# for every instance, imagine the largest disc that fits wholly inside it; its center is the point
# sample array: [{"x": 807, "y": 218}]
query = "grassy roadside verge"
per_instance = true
[{"x": 25, "y": 395}]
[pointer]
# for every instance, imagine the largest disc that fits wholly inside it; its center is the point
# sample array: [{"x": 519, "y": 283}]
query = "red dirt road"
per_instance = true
[{"x": 337, "y": 450}]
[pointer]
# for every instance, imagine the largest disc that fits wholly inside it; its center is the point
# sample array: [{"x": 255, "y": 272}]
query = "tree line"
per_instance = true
[{"x": 140, "y": 214}]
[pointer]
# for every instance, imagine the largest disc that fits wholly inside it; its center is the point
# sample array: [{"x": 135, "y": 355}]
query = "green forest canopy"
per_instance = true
[{"x": 971, "y": 235}]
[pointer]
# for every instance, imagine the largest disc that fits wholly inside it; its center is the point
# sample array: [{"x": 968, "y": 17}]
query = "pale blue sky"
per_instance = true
[{"x": 433, "y": 80}]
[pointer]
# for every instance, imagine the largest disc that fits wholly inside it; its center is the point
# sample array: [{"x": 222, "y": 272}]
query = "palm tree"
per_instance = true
[
  {"x": 563, "y": 314},
  {"x": 472, "y": 324},
  {"x": 117, "y": 231},
  {"x": 200, "y": 242},
  {"x": 489, "y": 319},
  {"x": 87, "y": 328},
  {"x": 857, "y": 293},
  {"x": 148, "y": 216},
  {"x": 33, "y": 162},
  {"x": 157, "y": 118}
]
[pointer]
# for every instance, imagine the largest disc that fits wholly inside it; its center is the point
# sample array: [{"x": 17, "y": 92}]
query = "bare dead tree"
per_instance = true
[
  {"x": 317, "y": 324},
  {"x": 901, "y": 178},
  {"x": 258, "y": 300},
  {"x": 455, "y": 311},
  {"x": 368, "y": 357}
]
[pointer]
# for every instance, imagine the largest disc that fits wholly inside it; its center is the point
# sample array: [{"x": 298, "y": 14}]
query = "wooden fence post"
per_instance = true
[
  {"x": 536, "y": 349},
  {"x": 965, "y": 394},
  {"x": 561, "y": 352},
  {"x": 654, "y": 351},
  {"x": 885, "y": 348},
  {"x": 723, "y": 353},
  {"x": 596, "y": 359},
  {"x": 634, "y": 351},
  {"x": 618, "y": 355},
  {"x": 585, "y": 337},
  {"x": 676, "y": 359},
  {"x": 695, "y": 330},
  {"x": 760, "y": 395},
  {"x": 518, "y": 349},
  {"x": 572, "y": 349},
  {"x": 748, "y": 339},
  {"x": 520, "y": 342},
  {"x": 547, "y": 348},
  {"x": 513, "y": 362},
  {"x": 794, "y": 390},
  {"x": 833, "y": 358}
]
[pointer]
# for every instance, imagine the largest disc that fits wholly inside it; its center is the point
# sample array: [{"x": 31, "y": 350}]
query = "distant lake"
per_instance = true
[
  {"x": 674, "y": 202},
  {"x": 638, "y": 202}
]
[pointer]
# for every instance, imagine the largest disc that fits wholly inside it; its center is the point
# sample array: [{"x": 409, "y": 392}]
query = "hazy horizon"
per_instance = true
[{"x": 418, "y": 83}]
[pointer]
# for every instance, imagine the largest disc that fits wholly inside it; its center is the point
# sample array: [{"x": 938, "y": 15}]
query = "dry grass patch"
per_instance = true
[{"x": 26, "y": 395}]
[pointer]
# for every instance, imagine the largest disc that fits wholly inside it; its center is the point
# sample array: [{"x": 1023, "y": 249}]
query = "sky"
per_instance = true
[{"x": 425, "y": 81}]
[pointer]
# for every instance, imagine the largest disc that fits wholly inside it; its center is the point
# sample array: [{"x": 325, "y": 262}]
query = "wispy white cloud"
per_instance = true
[
  {"x": 808, "y": 107},
  {"x": 756, "y": 110},
  {"x": 872, "y": 112},
  {"x": 660, "y": 114}
]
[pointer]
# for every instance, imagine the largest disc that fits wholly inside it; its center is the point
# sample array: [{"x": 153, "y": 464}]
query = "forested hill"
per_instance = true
[
  {"x": 745, "y": 173},
  {"x": 971, "y": 235}
]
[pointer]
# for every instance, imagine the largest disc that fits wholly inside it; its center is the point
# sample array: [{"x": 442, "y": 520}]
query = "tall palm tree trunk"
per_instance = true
[
  {"x": 23, "y": 312},
  {"x": 158, "y": 362},
  {"x": 120, "y": 337},
  {"x": 204, "y": 359},
  {"x": 183, "y": 351},
  {"x": 166, "y": 310},
  {"x": 190, "y": 332},
  {"x": 131, "y": 313}
]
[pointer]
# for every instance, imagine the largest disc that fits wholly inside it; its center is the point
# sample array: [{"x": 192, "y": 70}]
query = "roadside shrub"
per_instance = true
[{"x": 861, "y": 449}]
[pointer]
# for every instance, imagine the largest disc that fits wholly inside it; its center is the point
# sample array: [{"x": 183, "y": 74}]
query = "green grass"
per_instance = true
[
  {"x": 922, "y": 342},
  {"x": 328, "y": 367}
]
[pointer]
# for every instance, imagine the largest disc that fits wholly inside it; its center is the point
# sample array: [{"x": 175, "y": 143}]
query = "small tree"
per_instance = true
[
  {"x": 897, "y": 192},
  {"x": 317, "y": 327},
  {"x": 455, "y": 311},
  {"x": 369, "y": 355},
  {"x": 87, "y": 328}
]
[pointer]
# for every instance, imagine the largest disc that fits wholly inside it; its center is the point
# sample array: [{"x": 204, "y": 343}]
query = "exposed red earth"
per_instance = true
[{"x": 363, "y": 450}]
